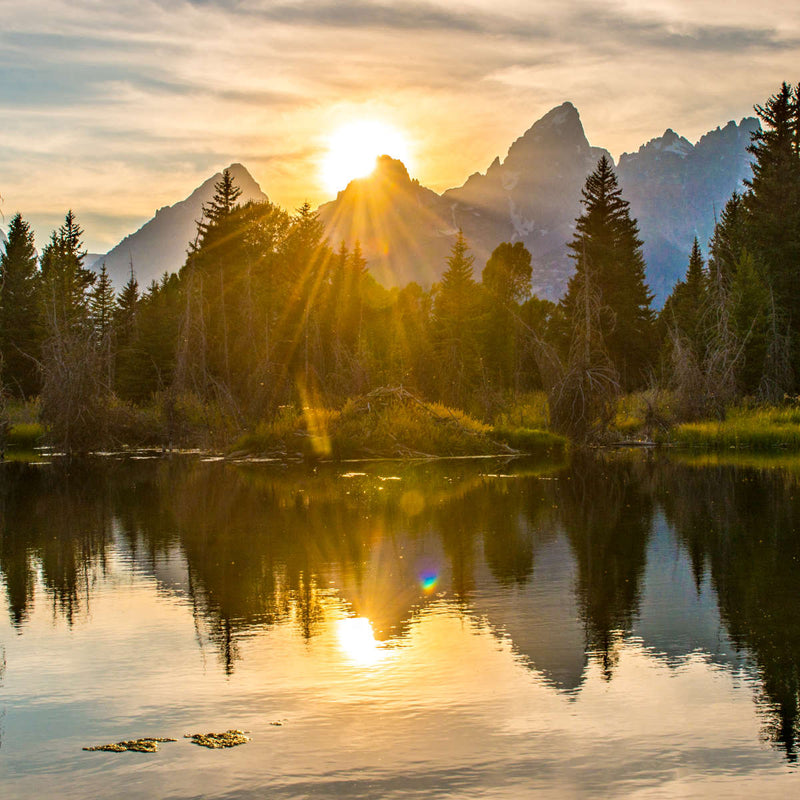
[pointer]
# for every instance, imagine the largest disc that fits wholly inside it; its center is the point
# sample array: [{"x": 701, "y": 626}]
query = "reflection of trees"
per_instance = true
[
  {"x": 741, "y": 524},
  {"x": 607, "y": 517},
  {"x": 57, "y": 520},
  {"x": 262, "y": 544}
]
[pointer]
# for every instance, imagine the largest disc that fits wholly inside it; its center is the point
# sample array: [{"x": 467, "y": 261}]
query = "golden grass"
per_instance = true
[
  {"x": 751, "y": 427},
  {"x": 394, "y": 425}
]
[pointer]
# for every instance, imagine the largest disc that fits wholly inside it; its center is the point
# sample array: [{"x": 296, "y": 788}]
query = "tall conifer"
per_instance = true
[
  {"x": 607, "y": 243},
  {"x": 20, "y": 331}
]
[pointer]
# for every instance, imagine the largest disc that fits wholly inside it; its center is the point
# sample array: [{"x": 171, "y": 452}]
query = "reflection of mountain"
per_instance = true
[
  {"x": 541, "y": 618},
  {"x": 568, "y": 566}
]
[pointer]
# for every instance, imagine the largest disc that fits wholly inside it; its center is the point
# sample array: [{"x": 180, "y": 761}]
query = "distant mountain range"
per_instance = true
[{"x": 676, "y": 190}]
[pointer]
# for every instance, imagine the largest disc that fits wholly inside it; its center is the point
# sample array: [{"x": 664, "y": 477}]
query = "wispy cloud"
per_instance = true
[{"x": 117, "y": 108}]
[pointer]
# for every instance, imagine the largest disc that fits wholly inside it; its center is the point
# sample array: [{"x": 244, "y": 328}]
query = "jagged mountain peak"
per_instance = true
[
  {"x": 391, "y": 167},
  {"x": 390, "y": 174},
  {"x": 669, "y": 142},
  {"x": 731, "y": 132},
  {"x": 558, "y": 127}
]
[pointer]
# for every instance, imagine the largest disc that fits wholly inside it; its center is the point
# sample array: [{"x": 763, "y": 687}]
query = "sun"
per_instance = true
[{"x": 353, "y": 148}]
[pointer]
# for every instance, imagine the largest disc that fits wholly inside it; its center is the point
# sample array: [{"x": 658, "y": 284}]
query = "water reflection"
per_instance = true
[
  {"x": 740, "y": 526},
  {"x": 552, "y": 559}
]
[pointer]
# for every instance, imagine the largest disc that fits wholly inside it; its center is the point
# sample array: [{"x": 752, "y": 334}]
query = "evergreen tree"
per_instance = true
[
  {"x": 226, "y": 193},
  {"x": 456, "y": 324},
  {"x": 101, "y": 317},
  {"x": 126, "y": 312},
  {"x": 507, "y": 280},
  {"x": 750, "y": 321},
  {"x": 126, "y": 307},
  {"x": 607, "y": 243},
  {"x": 684, "y": 310},
  {"x": 75, "y": 388},
  {"x": 101, "y": 305},
  {"x": 728, "y": 241},
  {"x": 20, "y": 330},
  {"x": 507, "y": 274},
  {"x": 773, "y": 204},
  {"x": 65, "y": 281}
]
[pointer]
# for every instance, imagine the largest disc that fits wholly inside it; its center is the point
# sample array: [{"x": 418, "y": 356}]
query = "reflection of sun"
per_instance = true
[
  {"x": 357, "y": 641},
  {"x": 353, "y": 148}
]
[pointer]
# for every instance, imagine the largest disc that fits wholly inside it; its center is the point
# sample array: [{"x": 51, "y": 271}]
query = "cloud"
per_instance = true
[{"x": 121, "y": 107}]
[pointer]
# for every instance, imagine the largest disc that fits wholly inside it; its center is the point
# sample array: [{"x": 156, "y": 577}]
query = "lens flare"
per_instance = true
[{"x": 428, "y": 581}]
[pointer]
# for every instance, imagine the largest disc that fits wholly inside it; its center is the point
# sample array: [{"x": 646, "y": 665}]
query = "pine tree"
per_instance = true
[
  {"x": 126, "y": 306},
  {"x": 507, "y": 274},
  {"x": 65, "y": 281},
  {"x": 750, "y": 320},
  {"x": 20, "y": 330},
  {"x": 456, "y": 324},
  {"x": 607, "y": 243},
  {"x": 226, "y": 193},
  {"x": 728, "y": 242},
  {"x": 101, "y": 305},
  {"x": 507, "y": 280},
  {"x": 685, "y": 308},
  {"x": 126, "y": 312},
  {"x": 773, "y": 204}
]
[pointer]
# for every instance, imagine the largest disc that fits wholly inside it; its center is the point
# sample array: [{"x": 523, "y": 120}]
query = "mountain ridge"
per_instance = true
[{"x": 676, "y": 189}]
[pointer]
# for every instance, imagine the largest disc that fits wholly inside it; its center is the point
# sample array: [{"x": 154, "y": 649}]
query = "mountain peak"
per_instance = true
[
  {"x": 559, "y": 128},
  {"x": 160, "y": 244},
  {"x": 393, "y": 168},
  {"x": 560, "y": 115},
  {"x": 668, "y": 142}
]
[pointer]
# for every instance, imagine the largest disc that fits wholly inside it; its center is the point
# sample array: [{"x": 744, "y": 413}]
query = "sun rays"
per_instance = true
[{"x": 353, "y": 149}]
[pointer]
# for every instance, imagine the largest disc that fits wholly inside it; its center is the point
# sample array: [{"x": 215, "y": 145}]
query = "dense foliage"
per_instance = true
[{"x": 265, "y": 313}]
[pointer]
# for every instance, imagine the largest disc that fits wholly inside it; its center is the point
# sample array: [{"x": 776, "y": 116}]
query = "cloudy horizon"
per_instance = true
[{"x": 116, "y": 110}]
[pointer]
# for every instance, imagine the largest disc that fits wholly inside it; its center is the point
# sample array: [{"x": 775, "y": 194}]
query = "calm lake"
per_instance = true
[{"x": 625, "y": 625}]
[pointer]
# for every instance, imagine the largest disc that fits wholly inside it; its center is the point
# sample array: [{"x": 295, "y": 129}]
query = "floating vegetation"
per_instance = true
[
  {"x": 149, "y": 744},
  {"x": 218, "y": 740}
]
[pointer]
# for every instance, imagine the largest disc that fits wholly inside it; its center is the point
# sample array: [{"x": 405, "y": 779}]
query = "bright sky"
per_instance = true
[{"x": 117, "y": 108}]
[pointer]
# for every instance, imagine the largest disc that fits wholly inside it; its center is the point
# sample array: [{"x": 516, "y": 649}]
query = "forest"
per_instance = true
[{"x": 268, "y": 330}]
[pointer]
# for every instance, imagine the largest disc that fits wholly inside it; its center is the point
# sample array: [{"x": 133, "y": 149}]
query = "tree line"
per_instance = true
[{"x": 265, "y": 313}]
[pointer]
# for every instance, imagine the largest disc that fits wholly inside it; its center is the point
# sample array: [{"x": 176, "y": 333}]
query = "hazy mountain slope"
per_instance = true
[
  {"x": 677, "y": 189},
  {"x": 405, "y": 230},
  {"x": 160, "y": 245}
]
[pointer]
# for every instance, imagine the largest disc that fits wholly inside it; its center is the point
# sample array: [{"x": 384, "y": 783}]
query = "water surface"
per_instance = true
[{"x": 624, "y": 625}]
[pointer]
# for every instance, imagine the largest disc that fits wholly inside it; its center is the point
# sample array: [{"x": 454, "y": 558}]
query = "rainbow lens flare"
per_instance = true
[{"x": 428, "y": 581}]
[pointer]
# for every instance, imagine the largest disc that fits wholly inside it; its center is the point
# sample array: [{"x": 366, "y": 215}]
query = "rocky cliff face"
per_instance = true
[{"x": 532, "y": 196}]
